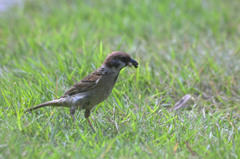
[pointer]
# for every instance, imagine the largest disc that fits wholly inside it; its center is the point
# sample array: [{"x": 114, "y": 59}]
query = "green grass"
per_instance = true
[{"x": 183, "y": 47}]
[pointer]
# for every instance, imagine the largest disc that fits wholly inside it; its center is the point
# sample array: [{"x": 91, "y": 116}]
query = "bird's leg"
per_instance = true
[
  {"x": 72, "y": 111},
  {"x": 87, "y": 114}
]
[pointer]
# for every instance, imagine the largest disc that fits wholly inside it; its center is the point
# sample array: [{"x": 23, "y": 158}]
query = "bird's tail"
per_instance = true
[{"x": 49, "y": 103}]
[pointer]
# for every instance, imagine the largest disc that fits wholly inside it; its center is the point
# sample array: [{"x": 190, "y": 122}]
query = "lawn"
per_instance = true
[{"x": 183, "y": 47}]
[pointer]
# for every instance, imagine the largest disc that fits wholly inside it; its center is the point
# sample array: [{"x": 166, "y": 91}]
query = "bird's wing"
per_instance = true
[{"x": 85, "y": 84}]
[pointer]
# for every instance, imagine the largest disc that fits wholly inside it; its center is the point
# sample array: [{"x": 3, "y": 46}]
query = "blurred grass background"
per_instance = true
[{"x": 183, "y": 47}]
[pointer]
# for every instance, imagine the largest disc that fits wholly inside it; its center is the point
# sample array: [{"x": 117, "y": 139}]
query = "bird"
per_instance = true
[{"x": 94, "y": 88}]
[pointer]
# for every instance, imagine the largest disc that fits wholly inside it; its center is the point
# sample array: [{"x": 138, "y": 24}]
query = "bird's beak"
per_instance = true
[{"x": 133, "y": 63}]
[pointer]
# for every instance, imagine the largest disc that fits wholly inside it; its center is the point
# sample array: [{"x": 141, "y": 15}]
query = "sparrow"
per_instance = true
[{"x": 94, "y": 88}]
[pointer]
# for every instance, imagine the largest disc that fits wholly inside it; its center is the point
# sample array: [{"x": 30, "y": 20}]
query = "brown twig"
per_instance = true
[{"x": 190, "y": 149}]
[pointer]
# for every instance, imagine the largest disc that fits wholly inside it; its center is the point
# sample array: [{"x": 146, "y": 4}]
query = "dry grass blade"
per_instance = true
[
  {"x": 175, "y": 148},
  {"x": 181, "y": 103},
  {"x": 56, "y": 88}
]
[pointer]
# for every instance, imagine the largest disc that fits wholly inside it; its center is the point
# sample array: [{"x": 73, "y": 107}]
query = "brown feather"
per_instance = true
[{"x": 85, "y": 84}]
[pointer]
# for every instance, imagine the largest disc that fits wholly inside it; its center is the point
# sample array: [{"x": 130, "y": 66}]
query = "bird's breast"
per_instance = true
[{"x": 103, "y": 89}]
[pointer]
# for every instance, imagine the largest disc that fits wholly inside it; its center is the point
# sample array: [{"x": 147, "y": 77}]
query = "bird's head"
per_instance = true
[{"x": 117, "y": 60}]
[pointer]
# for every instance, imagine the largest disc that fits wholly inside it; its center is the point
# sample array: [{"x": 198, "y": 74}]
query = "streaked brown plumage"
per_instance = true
[{"x": 94, "y": 88}]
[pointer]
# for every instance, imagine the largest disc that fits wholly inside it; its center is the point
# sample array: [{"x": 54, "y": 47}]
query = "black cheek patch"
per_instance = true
[{"x": 115, "y": 64}]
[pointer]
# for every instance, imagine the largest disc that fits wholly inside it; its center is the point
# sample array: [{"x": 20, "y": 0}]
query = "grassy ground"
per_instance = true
[{"x": 183, "y": 47}]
